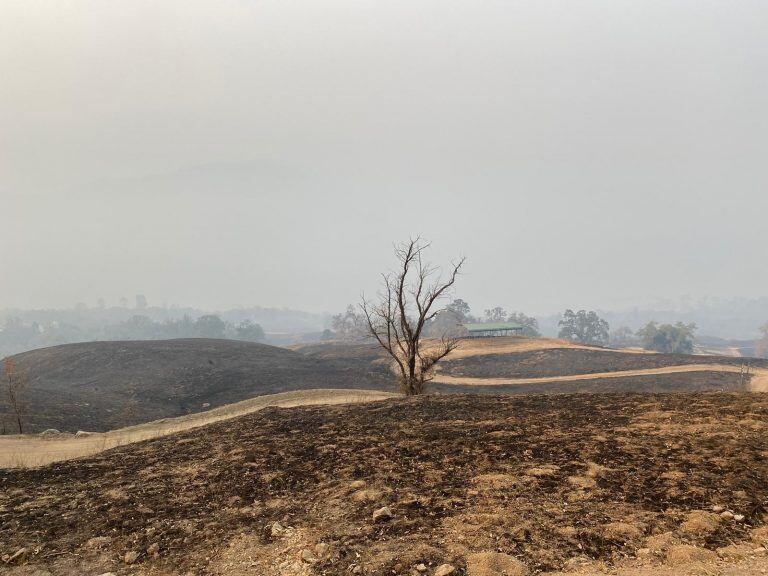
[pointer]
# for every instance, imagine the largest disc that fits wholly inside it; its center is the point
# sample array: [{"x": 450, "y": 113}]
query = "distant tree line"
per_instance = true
[
  {"x": 675, "y": 338},
  {"x": 351, "y": 324},
  {"x": 587, "y": 327},
  {"x": 17, "y": 335}
]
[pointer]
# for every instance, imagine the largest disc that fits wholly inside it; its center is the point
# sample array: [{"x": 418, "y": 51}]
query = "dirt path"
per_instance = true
[
  {"x": 33, "y": 450},
  {"x": 515, "y": 344},
  {"x": 759, "y": 381}
]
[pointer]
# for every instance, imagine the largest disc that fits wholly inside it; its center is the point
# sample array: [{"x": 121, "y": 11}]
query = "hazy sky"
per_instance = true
[{"x": 259, "y": 152}]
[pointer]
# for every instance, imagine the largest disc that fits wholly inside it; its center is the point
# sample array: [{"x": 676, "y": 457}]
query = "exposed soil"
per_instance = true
[
  {"x": 29, "y": 450},
  {"x": 546, "y": 479},
  {"x": 567, "y": 361}
]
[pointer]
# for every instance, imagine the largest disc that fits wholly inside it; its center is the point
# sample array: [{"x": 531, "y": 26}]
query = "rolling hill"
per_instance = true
[
  {"x": 543, "y": 365},
  {"x": 98, "y": 386},
  {"x": 636, "y": 484}
]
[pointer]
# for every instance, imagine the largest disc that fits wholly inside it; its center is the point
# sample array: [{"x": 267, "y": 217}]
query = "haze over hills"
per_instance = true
[{"x": 720, "y": 323}]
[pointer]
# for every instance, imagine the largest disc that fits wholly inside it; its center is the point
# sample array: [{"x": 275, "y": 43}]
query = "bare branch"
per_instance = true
[{"x": 406, "y": 304}]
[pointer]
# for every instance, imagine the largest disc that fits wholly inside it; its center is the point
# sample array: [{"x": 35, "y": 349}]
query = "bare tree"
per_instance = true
[
  {"x": 404, "y": 307},
  {"x": 16, "y": 381}
]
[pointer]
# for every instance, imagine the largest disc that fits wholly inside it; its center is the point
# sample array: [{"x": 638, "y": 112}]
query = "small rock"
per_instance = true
[
  {"x": 357, "y": 484},
  {"x": 276, "y": 529},
  {"x": 445, "y": 570},
  {"x": 421, "y": 567},
  {"x": 108, "y": 574},
  {"x": 357, "y": 569},
  {"x": 131, "y": 557},
  {"x": 717, "y": 509},
  {"x": 321, "y": 549},
  {"x": 307, "y": 556},
  {"x": 382, "y": 514},
  {"x": 84, "y": 434},
  {"x": 50, "y": 432},
  {"x": 738, "y": 517},
  {"x": 727, "y": 515}
]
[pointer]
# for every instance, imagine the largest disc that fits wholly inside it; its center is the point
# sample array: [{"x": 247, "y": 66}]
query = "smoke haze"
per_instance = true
[{"x": 238, "y": 153}]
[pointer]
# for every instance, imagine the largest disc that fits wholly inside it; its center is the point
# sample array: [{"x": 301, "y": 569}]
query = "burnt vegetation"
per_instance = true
[{"x": 538, "y": 477}]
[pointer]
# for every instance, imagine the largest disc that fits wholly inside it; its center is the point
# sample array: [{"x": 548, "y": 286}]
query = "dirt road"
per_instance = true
[
  {"x": 759, "y": 382},
  {"x": 33, "y": 450}
]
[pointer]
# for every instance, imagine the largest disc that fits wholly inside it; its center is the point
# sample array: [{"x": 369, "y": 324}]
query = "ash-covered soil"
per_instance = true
[
  {"x": 653, "y": 383},
  {"x": 549, "y": 480},
  {"x": 100, "y": 386},
  {"x": 566, "y": 361}
]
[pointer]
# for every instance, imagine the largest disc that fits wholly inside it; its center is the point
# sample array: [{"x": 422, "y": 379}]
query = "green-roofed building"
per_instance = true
[{"x": 491, "y": 330}]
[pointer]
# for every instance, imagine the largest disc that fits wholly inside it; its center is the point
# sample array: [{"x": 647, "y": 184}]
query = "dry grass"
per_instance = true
[{"x": 31, "y": 450}]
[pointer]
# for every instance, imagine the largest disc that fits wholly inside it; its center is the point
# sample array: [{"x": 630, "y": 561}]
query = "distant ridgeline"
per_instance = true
[{"x": 22, "y": 330}]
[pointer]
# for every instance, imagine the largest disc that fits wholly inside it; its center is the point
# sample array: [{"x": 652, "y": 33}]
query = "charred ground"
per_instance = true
[
  {"x": 99, "y": 386},
  {"x": 543, "y": 478},
  {"x": 566, "y": 361}
]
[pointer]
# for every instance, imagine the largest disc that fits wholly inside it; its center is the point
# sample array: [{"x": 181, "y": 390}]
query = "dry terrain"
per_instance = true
[
  {"x": 648, "y": 483},
  {"x": 543, "y": 365},
  {"x": 100, "y": 386},
  {"x": 21, "y": 451}
]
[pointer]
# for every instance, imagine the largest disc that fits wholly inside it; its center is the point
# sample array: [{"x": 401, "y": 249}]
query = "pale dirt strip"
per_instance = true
[
  {"x": 32, "y": 450},
  {"x": 516, "y": 344},
  {"x": 759, "y": 381}
]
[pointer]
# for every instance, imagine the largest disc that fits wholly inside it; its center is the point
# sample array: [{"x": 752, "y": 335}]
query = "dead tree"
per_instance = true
[
  {"x": 404, "y": 307},
  {"x": 16, "y": 381}
]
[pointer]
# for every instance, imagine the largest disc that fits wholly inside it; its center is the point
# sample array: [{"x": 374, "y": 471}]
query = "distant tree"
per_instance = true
[
  {"x": 584, "y": 327},
  {"x": 210, "y": 326},
  {"x": 448, "y": 322},
  {"x": 16, "y": 382},
  {"x": 406, "y": 304},
  {"x": 350, "y": 325},
  {"x": 668, "y": 338},
  {"x": 497, "y": 314},
  {"x": 141, "y": 302},
  {"x": 460, "y": 309},
  {"x": 249, "y": 330},
  {"x": 529, "y": 323}
]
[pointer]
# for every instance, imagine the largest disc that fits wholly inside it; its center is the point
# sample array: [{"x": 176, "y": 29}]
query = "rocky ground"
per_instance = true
[{"x": 478, "y": 485}]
